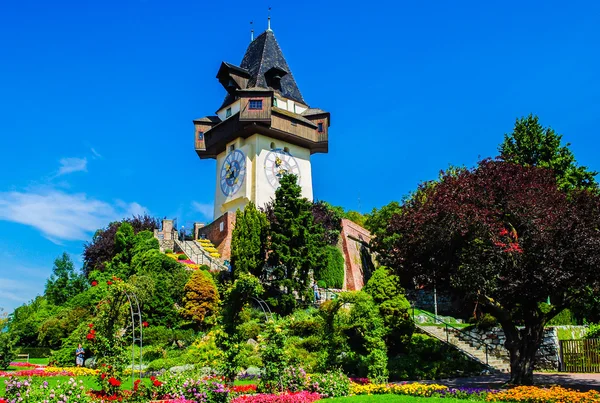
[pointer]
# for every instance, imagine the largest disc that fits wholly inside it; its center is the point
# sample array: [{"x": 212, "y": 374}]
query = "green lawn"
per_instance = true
[
  {"x": 391, "y": 399},
  {"x": 39, "y": 361}
]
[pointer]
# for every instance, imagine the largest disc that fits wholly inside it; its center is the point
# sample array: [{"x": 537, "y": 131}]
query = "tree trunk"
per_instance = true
[{"x": 523, "y": 349}]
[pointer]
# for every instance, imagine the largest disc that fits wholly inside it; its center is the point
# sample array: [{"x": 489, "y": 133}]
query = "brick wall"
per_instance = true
[
  {"x": 219, "y": 232},
  {"x": 354, "y": 241}
]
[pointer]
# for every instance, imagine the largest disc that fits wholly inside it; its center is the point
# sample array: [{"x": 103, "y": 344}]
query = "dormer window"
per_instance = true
[
  {"x": 255, "y": 104},
  {"x": 320, "y": 127},
  {"x": 228, "y": 113}
]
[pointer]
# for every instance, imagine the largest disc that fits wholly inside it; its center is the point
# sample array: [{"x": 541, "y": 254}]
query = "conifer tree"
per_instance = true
[
  {"x": 248, "y": 243},
  {"x": 201, "y": 297},
  {"x": 296, "y": 246}
]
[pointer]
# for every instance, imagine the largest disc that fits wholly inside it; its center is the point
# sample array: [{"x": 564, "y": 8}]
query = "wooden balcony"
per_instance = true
[{"x": 273, "y": 122}]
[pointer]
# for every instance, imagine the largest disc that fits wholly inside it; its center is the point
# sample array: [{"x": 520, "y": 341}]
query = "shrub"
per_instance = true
[
  {"x": 162, "y": 363},
  {"x": 168, "y": 250},
  {"x": 35, "y": 352},
  {"x": 564, "y": 318},
  {"x": 428, "y": 358},
  {"x": 321, "y": 284},
  {"x": 201, "y": 297},
  {"x": 593, "y": 331},
  {"x": 152, "y": 353},
  {"x": 182, "y": 257},
  {"x": 332, "y": 273},
  {"x": 7, "y": 354},
  {"x": 393, "y": 307},
  {"x": 329, "y": 384},
  {"x": 486, "y": 321},
  {"x": 275, "y": 361}
]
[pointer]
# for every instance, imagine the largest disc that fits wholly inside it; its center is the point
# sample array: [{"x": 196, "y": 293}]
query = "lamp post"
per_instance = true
[{"x": 182, "y": 233}]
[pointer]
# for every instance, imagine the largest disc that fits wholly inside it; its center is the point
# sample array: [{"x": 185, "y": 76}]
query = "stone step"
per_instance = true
[{"x": 479, "y": 354}]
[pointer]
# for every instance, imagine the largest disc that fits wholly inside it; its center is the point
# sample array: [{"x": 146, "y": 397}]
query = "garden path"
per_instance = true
[{"x": 578, "y": 381}]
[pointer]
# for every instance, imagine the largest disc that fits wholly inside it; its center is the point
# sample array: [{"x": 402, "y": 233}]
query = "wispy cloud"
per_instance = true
[
  {"x": 95, "y": 153},
  {"x": 205, "y": 209},
  {"x": 62, "y": 216},
  {"x": 69, "y": 165},
  {"x": 15, "y": 290}
]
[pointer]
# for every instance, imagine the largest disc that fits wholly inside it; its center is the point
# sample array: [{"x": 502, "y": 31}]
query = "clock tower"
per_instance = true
[{"x": 263, "y": 129}]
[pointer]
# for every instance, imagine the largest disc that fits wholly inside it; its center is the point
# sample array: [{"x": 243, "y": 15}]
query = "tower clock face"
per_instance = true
[
  {"x": 278, "y": 163},
  {"x": 233, "y": 172}
]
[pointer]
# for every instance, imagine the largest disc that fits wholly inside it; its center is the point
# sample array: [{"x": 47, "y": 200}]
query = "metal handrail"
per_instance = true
[
  {"x": 448, "y": 325},
  {"x": 188, "y": 250}
]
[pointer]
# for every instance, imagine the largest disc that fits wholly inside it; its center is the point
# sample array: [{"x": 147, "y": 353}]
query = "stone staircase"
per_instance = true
[
  {"x": 199, "y": 256},
  {"x": 450, "y": 336}
]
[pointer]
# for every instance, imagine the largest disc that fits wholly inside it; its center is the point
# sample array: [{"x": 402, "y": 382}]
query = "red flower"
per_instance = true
[
  {"x": 145, "y": 324},
  {"x": 152, "y": 378},
  {"x": 136, "y": 384},
  {"x": 103, "y": 376},
  {"x": 91, "y": 325},
  {"x": 94, "y": 283},
  {"x": 503, "y": 232},
  {"x": 157, "y": 383},
  {"x": 90, "y": 336},
  {"x": 114, "y": 381},
  {"x": 109, "y": 282}
]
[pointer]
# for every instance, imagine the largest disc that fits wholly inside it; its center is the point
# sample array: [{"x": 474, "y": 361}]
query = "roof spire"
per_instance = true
[
  {"x": 251, "y": 31},
  {"x": 269, "y": 21}
]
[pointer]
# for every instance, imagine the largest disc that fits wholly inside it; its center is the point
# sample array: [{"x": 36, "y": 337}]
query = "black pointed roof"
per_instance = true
[{"x": 264, "y": 54}]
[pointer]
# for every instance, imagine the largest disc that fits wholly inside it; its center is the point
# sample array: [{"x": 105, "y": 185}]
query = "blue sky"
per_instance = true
[{"x": 97, "y": 101}]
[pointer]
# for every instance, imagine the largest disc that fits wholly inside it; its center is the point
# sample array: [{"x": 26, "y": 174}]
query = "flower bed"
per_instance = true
[
  {"x": 26, "y": 391},
  {"x": 187, "y": 262},
  {"x": 298, "y": 397},
  {"x": 76, "y": 371},
  {"x": 409, "y": 389},
  {"x": 555, "y": 394},
  {"x": 51, "y": 371},
  {"x": 25, "y": 364},
  {"x": 34, "y": 372}
]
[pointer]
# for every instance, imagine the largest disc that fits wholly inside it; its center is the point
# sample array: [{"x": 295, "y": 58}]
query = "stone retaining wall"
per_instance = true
[
  {"x": 423, "y": 299},
  {"x": 548, "y": 355}
]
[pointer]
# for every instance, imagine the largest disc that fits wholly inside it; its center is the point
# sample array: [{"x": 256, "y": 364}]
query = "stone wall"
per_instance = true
[
  {"x": 219, "y": 233},
  {"x": 166, "y": 236},
  {"x": 424, "y": 299},
  {"x": 354, "y": 245},
  {"x": 548, "y": 355}
]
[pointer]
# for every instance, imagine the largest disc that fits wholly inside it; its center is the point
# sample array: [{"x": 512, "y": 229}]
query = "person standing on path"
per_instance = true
[{"x": 79, "y": 354}]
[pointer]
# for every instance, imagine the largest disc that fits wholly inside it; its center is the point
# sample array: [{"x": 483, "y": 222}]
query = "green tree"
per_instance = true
[
  {"x": 168, "y": 279},
  {"x": 273, "y": 355},
  {"x": 333, "y": 269},
  {"x": 201, "y": 297},
  {"x": 229, "y": 337},
  {"x": 296, "y": 247},
  {"x": 355, "y": 336},
  {"x": 3, "y": 318},
  {"x": 388, "y": 295},
  {"x": 531, "y": 144},
  {"x": 64, "y": 282},
  {"x": 505, "y": 236},
  {"x": 377, "y": 222},
  {"x": 7, "y": 353},
  {"x": 25, "y": 321},
  {"x": 249, "y": 241}
]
